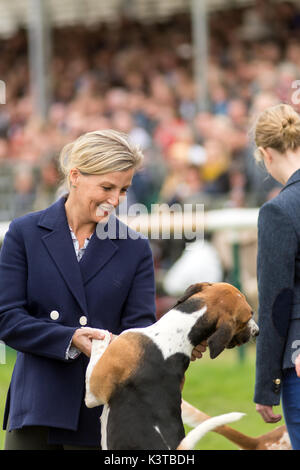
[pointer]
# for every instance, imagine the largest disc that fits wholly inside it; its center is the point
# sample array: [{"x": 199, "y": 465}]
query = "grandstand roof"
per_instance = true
[{"x": 14, "y": 13}]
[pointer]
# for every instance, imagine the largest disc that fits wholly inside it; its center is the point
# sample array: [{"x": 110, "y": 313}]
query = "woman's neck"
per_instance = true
[
  {"x": 78, "y": 224},
  {"x": 282, "y": 166},
  {"x": 288, "y": 170}
]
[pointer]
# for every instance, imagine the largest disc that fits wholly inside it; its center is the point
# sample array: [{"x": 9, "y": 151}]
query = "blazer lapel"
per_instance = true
[
  {"x": 96, "y": 255},
  {"x": 59, "y": 244}
]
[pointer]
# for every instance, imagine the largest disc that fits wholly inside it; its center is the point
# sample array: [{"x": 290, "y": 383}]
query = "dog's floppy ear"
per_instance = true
[
  {"x": 218, "y": 341},
  {"x": 191, "y": 290}
]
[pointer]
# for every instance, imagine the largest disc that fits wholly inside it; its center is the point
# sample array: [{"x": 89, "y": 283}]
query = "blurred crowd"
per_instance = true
[{"x": 138, "y": 78}]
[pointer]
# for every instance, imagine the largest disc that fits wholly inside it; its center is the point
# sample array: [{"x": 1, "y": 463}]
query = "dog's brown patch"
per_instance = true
[
  {"x": 225, "y": 323},
  {"x": 225, "y": 303},
  {"x": 114, "y": 367},
  {"x": 225, "y": 299}
]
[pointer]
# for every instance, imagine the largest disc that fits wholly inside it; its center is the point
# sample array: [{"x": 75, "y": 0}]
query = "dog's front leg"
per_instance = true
[{"x": 98, "y": 349}]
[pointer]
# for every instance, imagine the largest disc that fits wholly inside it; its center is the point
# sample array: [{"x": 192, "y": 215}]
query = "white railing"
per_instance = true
[{"x": 214, "y": 220}]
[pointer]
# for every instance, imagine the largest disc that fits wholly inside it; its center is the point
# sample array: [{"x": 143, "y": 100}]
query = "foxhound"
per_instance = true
[
  {"x": 276, "y": 439},
  {"x": 138, "y": 375}
]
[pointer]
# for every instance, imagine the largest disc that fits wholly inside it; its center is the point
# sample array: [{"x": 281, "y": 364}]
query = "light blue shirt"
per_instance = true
[{"x": 79, "y": 251}]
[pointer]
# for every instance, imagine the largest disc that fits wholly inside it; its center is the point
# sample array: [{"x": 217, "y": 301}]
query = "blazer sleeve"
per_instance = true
[
  {"x": 277, "y": 250},
  {"x": 18, "y": 328},
  {"x": 140, "y": 307}
]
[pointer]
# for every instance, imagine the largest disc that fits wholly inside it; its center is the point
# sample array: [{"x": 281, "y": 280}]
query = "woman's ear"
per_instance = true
[
  {"x": 267, "y": 154},
  {"x": 74, "y": 175}
]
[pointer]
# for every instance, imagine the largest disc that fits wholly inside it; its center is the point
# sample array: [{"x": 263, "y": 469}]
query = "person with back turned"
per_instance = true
[{"x": 277, "y": 137}]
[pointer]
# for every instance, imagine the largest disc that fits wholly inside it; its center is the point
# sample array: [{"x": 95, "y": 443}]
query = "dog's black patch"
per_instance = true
[
  {"x": 150, "y": 398},
  {"x": 192, "y": 290},
  {"x": 190, "y": 305},
  {"x": 202, "y": 329}
]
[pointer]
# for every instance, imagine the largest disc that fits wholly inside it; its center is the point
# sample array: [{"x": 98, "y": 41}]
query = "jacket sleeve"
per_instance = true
[
  {"x": 18, "y": 328},
  {"x": 140, "y": 308},
  {"x": 277, "y": 250}
]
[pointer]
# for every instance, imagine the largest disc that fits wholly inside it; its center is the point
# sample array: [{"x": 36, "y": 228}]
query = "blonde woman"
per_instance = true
[
  {"x": 60, "y": 283},
  {"x": 277, "y": 137}
]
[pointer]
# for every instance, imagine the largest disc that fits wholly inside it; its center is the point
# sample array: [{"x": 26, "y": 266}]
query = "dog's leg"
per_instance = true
[
  {"x": 196, "y": 434},
  {"x": 98, "y": 348},
  {"x": 103, "y": 420}
]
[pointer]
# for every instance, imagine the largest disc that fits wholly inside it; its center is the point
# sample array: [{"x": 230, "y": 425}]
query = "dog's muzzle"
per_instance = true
[
  {"x": 253, "y": 327},
  {"x": 250, "y": 332}
]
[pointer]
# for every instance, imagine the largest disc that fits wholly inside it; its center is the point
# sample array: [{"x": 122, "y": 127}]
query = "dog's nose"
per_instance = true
[{"x": 254, "y": 330}]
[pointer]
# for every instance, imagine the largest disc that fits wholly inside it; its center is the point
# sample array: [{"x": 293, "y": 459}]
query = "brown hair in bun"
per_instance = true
[{"x": 277, "y": 127}]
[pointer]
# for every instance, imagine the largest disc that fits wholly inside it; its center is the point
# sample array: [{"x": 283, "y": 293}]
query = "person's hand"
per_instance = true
[
  {"x": 199, "y": 350},
  {"x": 82, "y": 339},
  {"x": 267, "y": 414},
  {"x": 297, "y": 365}
]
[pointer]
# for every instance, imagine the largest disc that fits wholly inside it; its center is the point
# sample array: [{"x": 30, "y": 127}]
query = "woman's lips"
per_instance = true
[{"x": 103, "y": 211}]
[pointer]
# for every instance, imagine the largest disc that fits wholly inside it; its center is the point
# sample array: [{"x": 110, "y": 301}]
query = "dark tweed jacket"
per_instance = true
[{"x": 278, "y": 271}]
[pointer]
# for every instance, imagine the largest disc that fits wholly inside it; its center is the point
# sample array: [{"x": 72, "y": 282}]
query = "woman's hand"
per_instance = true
[
  {"x": 267, "y": 414},
  {"x": 82, "y": 339},
  {"x": 199, "y": 350}
]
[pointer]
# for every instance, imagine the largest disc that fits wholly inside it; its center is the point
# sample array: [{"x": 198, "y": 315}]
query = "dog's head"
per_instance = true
[{"x": 227, "y": 319}]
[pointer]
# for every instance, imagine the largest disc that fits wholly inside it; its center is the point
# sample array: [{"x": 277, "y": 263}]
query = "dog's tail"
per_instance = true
[
  {"x": 193, "y": 417},
  {"x": 190, "y": 441},
  {"x": 275, "y": 439}
]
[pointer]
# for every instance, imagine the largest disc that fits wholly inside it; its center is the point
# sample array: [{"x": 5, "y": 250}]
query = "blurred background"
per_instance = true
[{"x": 185, "y": 80}]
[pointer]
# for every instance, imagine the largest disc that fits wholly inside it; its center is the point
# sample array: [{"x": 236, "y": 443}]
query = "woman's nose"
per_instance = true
[{"x": 114, "y": 199}]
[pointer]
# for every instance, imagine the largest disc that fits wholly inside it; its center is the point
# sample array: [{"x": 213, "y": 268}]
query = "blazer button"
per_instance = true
[
  {"x": 54, "y": 315},
  {"x": 83, "y": 320},
  {"x": 276, "y": 385}
]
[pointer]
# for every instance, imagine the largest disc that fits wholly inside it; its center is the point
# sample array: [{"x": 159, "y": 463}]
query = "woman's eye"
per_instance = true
[{"x": 106, "y": 188}]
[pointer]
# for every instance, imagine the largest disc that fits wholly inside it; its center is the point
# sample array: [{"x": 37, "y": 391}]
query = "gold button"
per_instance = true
[{"x": 277, "y": 381}]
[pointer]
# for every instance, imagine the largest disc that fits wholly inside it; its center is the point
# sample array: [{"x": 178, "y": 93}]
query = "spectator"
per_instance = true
[
  {"x": 24, "y": 190},
  {"x": 125, "y": 77}
]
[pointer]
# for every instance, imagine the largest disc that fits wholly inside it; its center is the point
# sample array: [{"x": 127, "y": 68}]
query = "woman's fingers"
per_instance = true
[
  {"x": 267, "y": 414},
  {"x": 82, "y": 339}
]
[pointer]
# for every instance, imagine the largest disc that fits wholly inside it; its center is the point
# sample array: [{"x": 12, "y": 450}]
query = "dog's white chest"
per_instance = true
[{"x": 170, "y": 333}]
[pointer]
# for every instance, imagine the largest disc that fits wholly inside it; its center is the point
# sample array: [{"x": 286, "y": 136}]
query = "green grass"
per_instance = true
[
  {"x": 223, "y": 385},
  {"x": 216, "y": 386}
]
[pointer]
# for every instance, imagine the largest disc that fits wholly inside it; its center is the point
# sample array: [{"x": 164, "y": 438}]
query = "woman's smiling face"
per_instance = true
[{"x": 96, "y": 196}]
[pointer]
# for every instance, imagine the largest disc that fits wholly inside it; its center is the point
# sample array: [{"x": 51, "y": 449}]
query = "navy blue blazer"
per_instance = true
[
  {"x": 112, "y": 286},
  {"x": 278, "y": 273}
]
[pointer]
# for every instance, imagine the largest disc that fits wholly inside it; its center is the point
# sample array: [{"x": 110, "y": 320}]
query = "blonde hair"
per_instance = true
[
  {"x": 277, "y": 127},
  {"x": 99, "y": 152}
]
